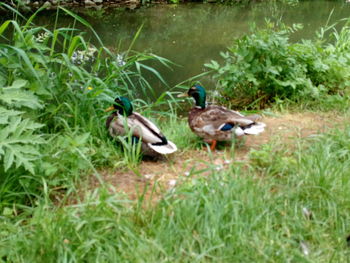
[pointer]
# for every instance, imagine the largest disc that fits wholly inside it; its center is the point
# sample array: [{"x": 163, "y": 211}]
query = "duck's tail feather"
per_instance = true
[
  {"x": 168, "y": 148},
  {"x": 256, "y": 128}
]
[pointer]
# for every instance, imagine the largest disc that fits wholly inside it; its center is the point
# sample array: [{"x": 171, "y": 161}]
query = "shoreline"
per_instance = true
[{"x": 30, "y": 5}]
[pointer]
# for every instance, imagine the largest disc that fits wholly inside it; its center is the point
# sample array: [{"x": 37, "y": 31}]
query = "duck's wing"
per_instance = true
[
  {"x": 152, "y": 135},
  {"x": 217, "y": 117},
  {"x": 143, "y": 127}
]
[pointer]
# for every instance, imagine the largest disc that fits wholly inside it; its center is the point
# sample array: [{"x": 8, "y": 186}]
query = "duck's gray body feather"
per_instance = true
[
  {"x": 208, "y": 122},
  {"x": 153, "y": 141}
]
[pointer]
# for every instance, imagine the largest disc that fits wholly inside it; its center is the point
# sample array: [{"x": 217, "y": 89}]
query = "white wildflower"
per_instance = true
[
  {"x": 90, "y": 52},
  {"x": 41, "y": 37},
  {"x": 120, "y": 60},
  {"x": 83, "y": 56}
]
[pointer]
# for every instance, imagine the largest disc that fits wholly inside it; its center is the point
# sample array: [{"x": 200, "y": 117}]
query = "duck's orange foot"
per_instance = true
[{"x": 213, "y": 145}]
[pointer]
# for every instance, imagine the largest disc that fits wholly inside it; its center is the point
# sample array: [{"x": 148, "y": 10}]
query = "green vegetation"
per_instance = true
[
  {"x": 283, "y": 203},
  {"x": 54, "y": 87},
  {"x": 266, "y": 67},
  {"x": 252, "y": 213}
]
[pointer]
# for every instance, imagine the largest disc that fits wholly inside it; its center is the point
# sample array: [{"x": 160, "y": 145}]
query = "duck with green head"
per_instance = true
[
  {"x": 216, "y": 123},
  {"x": 153, "y": 141}
]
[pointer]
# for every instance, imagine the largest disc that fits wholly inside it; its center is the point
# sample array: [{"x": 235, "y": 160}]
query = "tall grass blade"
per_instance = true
[
  {"x": 4, "y": 26},
  {"x": 138, "y": 32},
  {"x": 84, "y": 22},
  {"x": 13, "y": 10}
]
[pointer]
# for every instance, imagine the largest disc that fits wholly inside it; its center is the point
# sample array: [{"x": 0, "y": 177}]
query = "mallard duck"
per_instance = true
[
  {"x": 153, "y": 141},
  {"x": 216, "y": 123}
]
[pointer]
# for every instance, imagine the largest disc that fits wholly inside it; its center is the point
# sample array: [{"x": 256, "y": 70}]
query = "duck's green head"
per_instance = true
[
  {"x": 122, "y": 105},
  {"x": 198, "y": 93}
]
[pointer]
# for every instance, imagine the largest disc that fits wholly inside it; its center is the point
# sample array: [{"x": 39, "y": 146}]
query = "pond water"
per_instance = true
[{"x": 193, "y": 34}]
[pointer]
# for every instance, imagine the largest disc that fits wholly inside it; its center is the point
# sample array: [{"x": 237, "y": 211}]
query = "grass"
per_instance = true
[{"x": 239, "y": 214}]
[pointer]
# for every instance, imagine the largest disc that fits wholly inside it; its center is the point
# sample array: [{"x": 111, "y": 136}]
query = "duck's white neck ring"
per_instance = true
[{"x": 199, "y": 107}]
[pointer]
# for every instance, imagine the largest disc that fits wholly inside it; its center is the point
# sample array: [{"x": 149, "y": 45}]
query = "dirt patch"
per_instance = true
[{"x": 157, "y": 177}]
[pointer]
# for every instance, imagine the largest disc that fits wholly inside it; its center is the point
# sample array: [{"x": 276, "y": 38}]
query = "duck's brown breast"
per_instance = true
[{"x": 193, "y": 117}]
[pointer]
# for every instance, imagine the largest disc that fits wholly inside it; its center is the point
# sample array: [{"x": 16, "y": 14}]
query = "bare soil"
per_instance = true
[{"x": 160, "y": 176}]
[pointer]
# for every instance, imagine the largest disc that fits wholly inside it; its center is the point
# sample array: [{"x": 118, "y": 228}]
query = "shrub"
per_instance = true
[{"x": 263, "y": 66}]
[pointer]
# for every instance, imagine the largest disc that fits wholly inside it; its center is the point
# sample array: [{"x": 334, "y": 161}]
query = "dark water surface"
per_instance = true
[{"x": 193, "y": 34}]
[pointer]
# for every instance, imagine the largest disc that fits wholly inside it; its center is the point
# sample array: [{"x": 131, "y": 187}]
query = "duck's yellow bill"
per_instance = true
[
  {"x": 182, "y": 95},
  {"x": 109, "y": 109}
]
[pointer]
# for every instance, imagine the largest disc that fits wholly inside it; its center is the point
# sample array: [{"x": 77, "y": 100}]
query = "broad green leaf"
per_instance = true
[
  {"x": 17, "y": 97},
  {"x": 18, "y": 83},
  {"x": 18, "y": 143},
  {"x": 5, "y": 114}
]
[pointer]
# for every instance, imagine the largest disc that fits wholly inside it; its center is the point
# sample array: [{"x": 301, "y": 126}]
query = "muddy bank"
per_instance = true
[
  {"x": 28, "y": 5},
  {"x": 53, "y": 4},
  {"x": 160, "y": 176}
]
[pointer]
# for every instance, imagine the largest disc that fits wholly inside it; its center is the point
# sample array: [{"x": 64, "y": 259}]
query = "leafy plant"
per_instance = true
[
  {"x": 19, "y": 143},
  {"x": 263, "y": 66}
]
